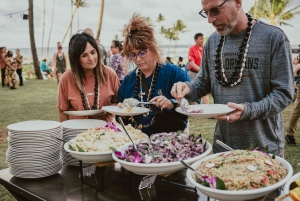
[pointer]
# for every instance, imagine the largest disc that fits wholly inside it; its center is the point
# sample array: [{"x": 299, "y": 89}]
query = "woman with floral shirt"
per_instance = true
[{"x": 117, "y": 60}]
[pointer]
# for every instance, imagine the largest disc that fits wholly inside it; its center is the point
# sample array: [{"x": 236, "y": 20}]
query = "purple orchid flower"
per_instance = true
[
  {"x": 212, "y": 182},
  {"x": 119, "y": 155},
  {"x": 136, "y": 158},
  {"x": 256, "y": 149},
  {"x": 111, "y": 125}
]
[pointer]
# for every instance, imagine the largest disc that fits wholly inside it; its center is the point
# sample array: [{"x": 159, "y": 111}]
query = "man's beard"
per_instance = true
[{"x": 229, "y": 28}]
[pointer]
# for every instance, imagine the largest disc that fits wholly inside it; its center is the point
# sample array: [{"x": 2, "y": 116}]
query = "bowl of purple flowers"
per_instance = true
[{"x": 161, "y": 153}]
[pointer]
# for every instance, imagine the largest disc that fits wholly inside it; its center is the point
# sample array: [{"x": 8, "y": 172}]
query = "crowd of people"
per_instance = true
[{"x": 237, "y": 66}]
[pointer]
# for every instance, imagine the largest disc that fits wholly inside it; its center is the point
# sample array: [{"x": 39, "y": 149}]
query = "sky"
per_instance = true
[{"x": 117, "y": 13}]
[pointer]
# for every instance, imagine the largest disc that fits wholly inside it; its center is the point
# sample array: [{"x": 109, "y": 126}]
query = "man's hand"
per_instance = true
[
  {"x": 233, "y": 116},
  {"x": 179, "y": 90}
]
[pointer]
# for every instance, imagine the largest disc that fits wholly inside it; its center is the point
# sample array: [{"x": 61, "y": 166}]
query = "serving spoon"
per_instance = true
[
  {"x": 191, "y": 168},
  {"x": 225, "y": 146},
  {"x": 184, "y": 105},
  {"x": 122, "y": 124},
  {"x": 132, "y": 102}
]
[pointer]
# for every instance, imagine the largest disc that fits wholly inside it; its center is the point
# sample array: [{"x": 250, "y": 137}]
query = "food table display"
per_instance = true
[{"x": 158, "y": 155}]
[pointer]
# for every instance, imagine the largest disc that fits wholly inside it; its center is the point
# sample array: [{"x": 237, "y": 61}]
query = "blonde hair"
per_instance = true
[{"x": 139, "y": 34}]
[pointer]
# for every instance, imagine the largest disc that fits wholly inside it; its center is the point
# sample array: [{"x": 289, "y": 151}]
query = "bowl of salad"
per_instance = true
[
  {"x": 93, "y": 145},
  {"x": 161, "y": 153},
  {"x": 240, "y": 174}
]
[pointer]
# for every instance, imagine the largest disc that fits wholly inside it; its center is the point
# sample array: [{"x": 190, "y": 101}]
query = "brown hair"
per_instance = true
[
  {"x": 139, "y": 34},
  {"x": 77, "y": 46}
]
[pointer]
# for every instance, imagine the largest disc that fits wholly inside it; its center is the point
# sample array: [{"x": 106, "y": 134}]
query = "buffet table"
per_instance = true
[{"x": 113, "y": 182}]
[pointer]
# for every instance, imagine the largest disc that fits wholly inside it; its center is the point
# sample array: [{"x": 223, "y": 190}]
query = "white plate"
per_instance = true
[
  {"x": 287, "y": 185},
  {"x": 160, "y": 168},
  {"x": 81, "y": 124},
  {"x": 121, "y": 112},
  {"x": 35, "y": 125},
  {"x": 210, "y": 110},
  {"x": 83, "y": 112},
  {"x": 240, "y": 194}
]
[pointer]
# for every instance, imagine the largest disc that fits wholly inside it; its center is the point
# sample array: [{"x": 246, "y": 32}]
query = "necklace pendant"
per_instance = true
[{"x": 90, "y": 94}]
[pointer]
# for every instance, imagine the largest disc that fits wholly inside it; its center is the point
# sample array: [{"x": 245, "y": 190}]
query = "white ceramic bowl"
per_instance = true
[
  {"x": 241, "y": 194},
  {"x": 287, "y": 185},
  {"x": 90, "y": 157},
  {"x": 156, "y": 169}
]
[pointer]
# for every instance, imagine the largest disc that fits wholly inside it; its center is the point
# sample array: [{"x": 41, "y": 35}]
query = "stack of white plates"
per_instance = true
[
  {"x": 71, "y": 128},
  {"x": 32, "y": 152}
]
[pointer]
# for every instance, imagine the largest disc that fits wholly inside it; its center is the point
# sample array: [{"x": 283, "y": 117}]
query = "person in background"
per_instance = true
[
  {"x": 109, "y": 55},
  {"x": 46, "y": 69},
  {"x": 19, "y": 61},
  {"x": 168, "y": 60},
  {"x": 89, "y": 85},
  {"x": 291, "y": 130},
  {"x": 2, "y": 64},
  {"x": 117, "y": 60},
  {"x": 180, "y": 63},
  {"x": 10, "y": 76},
  {"x": 60, "y": 62},
  {"x": 140, "y": 46},
  {"x": 102, "y": 52},
  {"x": 241, "y": 69},
  {"x": 195, "y": 58}
]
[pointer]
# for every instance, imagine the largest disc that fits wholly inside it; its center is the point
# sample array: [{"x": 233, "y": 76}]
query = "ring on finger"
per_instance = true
[{"x": 227, "y": 118}]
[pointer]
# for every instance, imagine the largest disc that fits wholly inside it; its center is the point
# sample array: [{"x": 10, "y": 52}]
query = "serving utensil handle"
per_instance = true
[
  {"x": 122, "y": 124},
  {"x": 225, "y": 146}
]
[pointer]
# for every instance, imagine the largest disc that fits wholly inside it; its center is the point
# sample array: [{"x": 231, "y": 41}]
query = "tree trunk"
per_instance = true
[
  {"x": 78, "y": 19},
  {"x": 50, "y": 29},
  {"x": 100, "y": 19},
  {"x": 42, "y": 49},
  {"x": 255, "y": 7},
  {"x": 32, "y": 41},
  {"x": 77, "y": 5}
]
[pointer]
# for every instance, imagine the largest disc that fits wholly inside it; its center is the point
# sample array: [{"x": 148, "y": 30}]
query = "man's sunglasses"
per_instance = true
[
  {"x": 141, "y": 54},
  {"x": 213, "y": 11}
]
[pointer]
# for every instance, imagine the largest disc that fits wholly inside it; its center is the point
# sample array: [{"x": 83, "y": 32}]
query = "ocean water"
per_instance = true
[{"x": 181, "y": 50}]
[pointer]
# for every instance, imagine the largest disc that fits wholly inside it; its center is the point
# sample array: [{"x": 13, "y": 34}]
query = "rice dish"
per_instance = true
[
  {"x": 243, "y": 170},
  {"x": 100, "y": 139}
]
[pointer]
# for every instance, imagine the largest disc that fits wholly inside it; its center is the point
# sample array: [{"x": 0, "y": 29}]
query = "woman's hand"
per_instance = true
[
  {"x": 120, "y": 105},
  {"x": 98, "y": 116},
  {"x": 162, "y": 102}
]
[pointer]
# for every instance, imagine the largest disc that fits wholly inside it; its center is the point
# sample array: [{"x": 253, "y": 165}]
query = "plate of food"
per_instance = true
[
  {"x": 205, "y": 110},
  {"x": 83, "y": 112},
  {"x": 240, "y": 174},
  {"x": 93, "y": 145},
  {"x": 125, "y": 111},
  {"x": 291, "y": 189},
  {"x": 161, "y": 153}
]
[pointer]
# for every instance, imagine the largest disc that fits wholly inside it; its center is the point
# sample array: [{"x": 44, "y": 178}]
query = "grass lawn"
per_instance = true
[{"x": 37, "y": 100}]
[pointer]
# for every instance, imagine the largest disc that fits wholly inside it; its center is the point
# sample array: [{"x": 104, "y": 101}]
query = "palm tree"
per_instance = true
[
  {"x": 179, "y": 27},
  {"x": 159, "y": 19},
  {"x": 42, "y": 49},
  {"x": 100, "y": 18},
  {"x": 170, "y": 35},
  {"x": 72, "y": 17},
  {"x": 32, "y": 41},
  {"x": 275, "y": 11},
  {"x": 50, "y": 29},
  {"x": 81, "y": 4}
]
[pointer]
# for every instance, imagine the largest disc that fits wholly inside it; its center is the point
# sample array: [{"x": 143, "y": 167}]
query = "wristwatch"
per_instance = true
[{"x": 174, "y": 102}]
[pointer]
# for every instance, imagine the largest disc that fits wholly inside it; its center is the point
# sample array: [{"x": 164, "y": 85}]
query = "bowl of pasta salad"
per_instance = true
[
  {"x": 93, "y": 145},
  {"x": 240, "y": 174}
]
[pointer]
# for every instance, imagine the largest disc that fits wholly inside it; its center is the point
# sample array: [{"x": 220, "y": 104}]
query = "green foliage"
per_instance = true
[{"x": 274, "y": 11}]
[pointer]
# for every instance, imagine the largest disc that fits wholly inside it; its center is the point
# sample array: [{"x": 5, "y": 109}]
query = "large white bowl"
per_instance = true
[
  {"x": 287, "y": 185},
  {"x": 241, "y": 194},
  {"x": 90, "y": 157},
  {"x": 157, "y": 169}
]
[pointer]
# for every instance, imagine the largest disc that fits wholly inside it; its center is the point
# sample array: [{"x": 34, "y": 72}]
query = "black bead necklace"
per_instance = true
[
  {"x": 138, "y": 84},
  {"x": 96, "y": 97},
  {"x": 239, "y": 66}
]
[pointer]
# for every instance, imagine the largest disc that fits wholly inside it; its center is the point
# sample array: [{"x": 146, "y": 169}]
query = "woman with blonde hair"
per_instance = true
[
  {"x": 151, "y": 81},
  {"x": 89, "y": 84}
]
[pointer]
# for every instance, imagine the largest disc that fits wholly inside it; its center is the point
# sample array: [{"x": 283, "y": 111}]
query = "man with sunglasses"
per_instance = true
[{"x": 247, "y": 65}]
